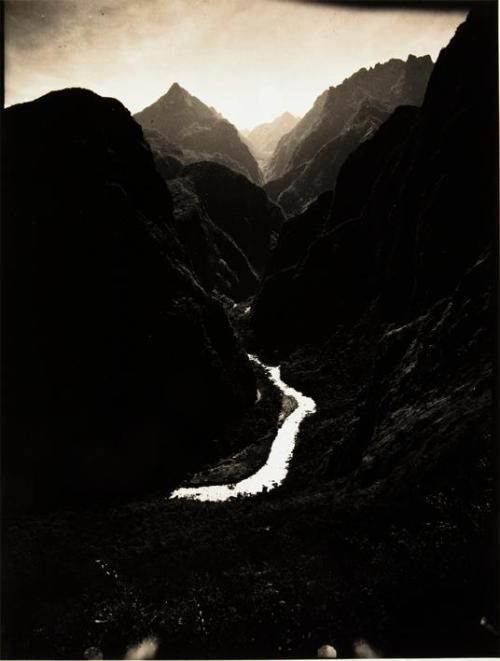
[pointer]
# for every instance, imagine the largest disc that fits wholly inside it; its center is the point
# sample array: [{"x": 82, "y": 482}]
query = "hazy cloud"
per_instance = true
[{"x": 251, "y": 60}]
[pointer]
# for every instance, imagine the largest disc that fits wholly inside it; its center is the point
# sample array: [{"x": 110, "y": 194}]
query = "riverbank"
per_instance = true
[
  {"x": 322, "y": 560},
  {"x": 295, "y": 407},
  {"x": 253, "y": 435}
]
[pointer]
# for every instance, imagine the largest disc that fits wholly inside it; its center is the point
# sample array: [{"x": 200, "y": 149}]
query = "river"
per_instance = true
[{"x": 274, "y": 471}]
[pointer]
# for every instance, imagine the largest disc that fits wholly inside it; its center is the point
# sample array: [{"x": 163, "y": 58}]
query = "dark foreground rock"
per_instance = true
[
  {"x": 226, "y": 223},
  {"x": 298, "y": 233},
  {"x": 385, "y": 529},
  {"x": 219, "y": 263},
  {"x": 227, "y": 226},
  {"x": 389, "y": 322},
  {"x": 238, "y": 207},
  {"x": 414, "y": 208},
  {"x": 118, "y": 368}
]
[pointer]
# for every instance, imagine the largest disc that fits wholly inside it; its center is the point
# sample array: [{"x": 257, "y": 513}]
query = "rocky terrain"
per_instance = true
[
  {"x": 298, "y": 233},
  {"x": 225, "y": 221},
  {"x": 408, "y": 217},
  {"x": 227, "y": 225},
  {"x": 199, "y": 131},
  {"x": 388, "y": 320},
  {"x": 239, "y": 208},
  {"x": 111, "y": 343},
  {"x": 340, "y": 119},
  {"x": 219, "y": 264},
  {"x": 379, "y": 301}
]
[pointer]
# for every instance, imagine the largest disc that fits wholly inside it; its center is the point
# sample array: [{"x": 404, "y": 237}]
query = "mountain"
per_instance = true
[
  {"x": 264, "y": 137},
  {"x": 226, "y": 223},
  {"x": 341, "y": 118},
  {"x": 239, "y": 208},
  {"x": 303, "y": 184},
  {"x": 217, "y": 260},
  {"x": 389, "y": 321},
  {"x": 298, "y": 233},
  {"x": 388, "y": 241},
  {"x": 169, "y": 158},
  {"x": 119, "y": 370},
  {"x": 199, "y": 130}
]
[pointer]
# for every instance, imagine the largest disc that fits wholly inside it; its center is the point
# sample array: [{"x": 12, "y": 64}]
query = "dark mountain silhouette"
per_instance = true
[
  {"x": 239, "y": 208},
  {"x": 340, "y": 119},
  {"x": 201, "y": 132},
  {"x": 168, "y": 157},
  {"x": 264, "y": 137},
  {"x": 408, "y": 217},
  {"x": 118, "y": 368},
  {"x": 389, "y": 322},
  {"x": 220, "y": 265},
  {"x": 298, "y": 233},
  {"x": 228, "y": 251},
  {"x": 380, "y": 303},
  {"x": 275, "y": 187}
]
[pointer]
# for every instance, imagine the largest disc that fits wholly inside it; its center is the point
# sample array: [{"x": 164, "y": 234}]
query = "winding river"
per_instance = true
[{"x": 274, "y": 471}]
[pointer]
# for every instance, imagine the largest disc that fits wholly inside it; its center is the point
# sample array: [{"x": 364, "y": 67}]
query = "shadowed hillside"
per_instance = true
[
  {"x": 110, "y": 344},
  {"x": 307, "y": 160}
]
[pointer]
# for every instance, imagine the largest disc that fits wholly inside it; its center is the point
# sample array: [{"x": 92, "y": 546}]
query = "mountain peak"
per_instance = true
[
  {"x": 187, "y": 122},
  {"x": 419, "y": 58},
  {"x": 176, "y": 90}
]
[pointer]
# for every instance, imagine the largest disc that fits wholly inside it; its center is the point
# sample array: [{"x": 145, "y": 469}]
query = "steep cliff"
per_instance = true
[{"x": 118, "y": 368}]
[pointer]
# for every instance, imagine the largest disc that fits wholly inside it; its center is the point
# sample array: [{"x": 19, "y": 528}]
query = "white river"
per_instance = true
[{"x": 274, "y": 471}]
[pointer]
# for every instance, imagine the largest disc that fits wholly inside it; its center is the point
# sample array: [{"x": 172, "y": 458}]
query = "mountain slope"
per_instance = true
[
  {"x": 319, "y": 174},
  {"x": 187, "y": 122},
  {"x": 347, "y": 113},
  {"x": 239, "y": 208},
  {"x": 220, "y": 265},
  {"x": 389, "y": 322},
  {"x": 298, "y": 233},
  {"x": 227, "y": 224},
  {"x": 406, "y": 200},
  {"x": 264, "y": 138},
  {"x": 111, "y": 345}
]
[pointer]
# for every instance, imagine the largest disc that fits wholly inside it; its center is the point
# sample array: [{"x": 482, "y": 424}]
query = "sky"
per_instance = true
[{"x": 250, "y": 59}]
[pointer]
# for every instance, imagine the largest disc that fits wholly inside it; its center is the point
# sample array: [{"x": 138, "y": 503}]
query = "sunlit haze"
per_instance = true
[{"x": 250, "y": 59}]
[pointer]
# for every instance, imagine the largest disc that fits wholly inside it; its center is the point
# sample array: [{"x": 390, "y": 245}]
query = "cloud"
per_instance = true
[{"x": 230, "y": 54}]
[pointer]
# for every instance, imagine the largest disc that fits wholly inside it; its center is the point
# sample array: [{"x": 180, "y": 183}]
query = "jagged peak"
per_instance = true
[
  {"x": 421, "y": 58},
  {"x": 176, "y": 90}
]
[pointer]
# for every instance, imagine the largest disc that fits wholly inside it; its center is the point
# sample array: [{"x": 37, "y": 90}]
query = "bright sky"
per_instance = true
[{"x": 250, "y": 59}]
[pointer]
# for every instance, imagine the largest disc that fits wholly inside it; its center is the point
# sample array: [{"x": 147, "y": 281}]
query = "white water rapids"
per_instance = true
[{"x": 275, "y": 469}]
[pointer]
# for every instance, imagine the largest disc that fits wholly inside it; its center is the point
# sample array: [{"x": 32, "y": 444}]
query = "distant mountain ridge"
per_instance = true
[
  {"x": 264, "y": 138},
  {"x": 191, "y": 125},
  {"x": 350, "y": 113}
]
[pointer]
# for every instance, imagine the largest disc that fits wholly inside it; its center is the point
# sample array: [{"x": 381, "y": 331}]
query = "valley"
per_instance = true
[
  {"x": 274, "y": 471},
  {"x": 250, "y": 378}
]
